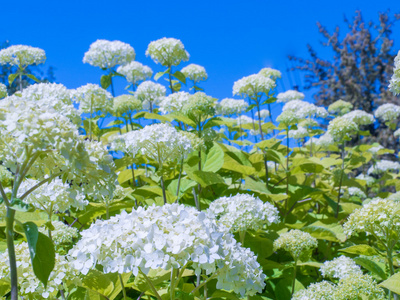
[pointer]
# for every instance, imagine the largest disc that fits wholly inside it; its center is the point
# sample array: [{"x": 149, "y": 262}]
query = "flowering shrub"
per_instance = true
[{"x": 165, "y": 192}]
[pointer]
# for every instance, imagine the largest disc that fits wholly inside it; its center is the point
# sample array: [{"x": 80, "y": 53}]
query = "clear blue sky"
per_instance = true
[{"x": 231, "y": 39}]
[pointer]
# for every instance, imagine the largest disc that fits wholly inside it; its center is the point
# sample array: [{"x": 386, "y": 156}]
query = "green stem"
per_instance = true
[
  {"x": 11, "y": 252},
  {"x": 340, "y": 183},
  {"x": 170, "y": 79},
  {"x": 122, "y": 286},
  {"x": 287, "y": 171},
  {"x": 196, "y": 201},
  {"x": 20, "y": 81},
  {"x": 157, "y": 295},
  {"x": 172, "y": 286},
  {"x": 179, "y": 181},
  {"x": 90, "y": 119},
  {"x": 163, "y": 190},
  {"x": 40, "y": 184},
  {"x": 294, "y": 276},
  {"x": 204, "y": 283},
  {"x": 242, "y": 235}
]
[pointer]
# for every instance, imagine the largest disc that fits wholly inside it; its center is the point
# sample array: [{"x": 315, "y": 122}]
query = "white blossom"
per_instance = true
[
  {"x": 135, "y": 71},
  {"x": 174, "y": 102},
  {"x": 394, "y": 85},
  {"x": 289, "y": 96},
  {"x": 388, "y": 112},
  {"x": 150, "y": 93},
  {"x": 167, "y": 51},
  {"x": 360, "y": 117},
  {"x": 92, "y": 98},
  {"x": 382, "y": 166},
  {"x": 340, "y": 268},
  {"x": 3, "y": 91},
  {"x": 251, "y": 86},
  {"x": 229, "y": 106},
  {"x": 270, "y": 73},
  {"x": 22, "y": 56},
  {"x": 195, "y": 72}
]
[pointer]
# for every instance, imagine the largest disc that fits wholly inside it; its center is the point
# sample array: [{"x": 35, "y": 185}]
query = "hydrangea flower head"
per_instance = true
[
  {"x": 150, "y": 93},
  {"x": 270, "y": 73},
  {"x": 195, "y": 72},
  {"x": 340, "y": 107},
  {"x": 388, "y": 112},
  {"x": 383, "y": 166},
  {"x": 135, "y": 72},
  {"x": 251, "y": 86},
  {"x": 107, "y": 54},
  {"x": 323, "y": 290},
  {"x": 126, "y": 103},
  {"x": 298, "y": 243},
  {"x": 394, "y": 85},
  {"x": 22, "y": 56},
  {"x": 243, "y": 212},
  {"x": 62, "y": 233},
  {"x": 92, "y": 98},
  {"x": 229, "y": 107},
  {"x": 199, "y": 104},
  {"x": 340, "y": 268},
  {"x": 167, "y": 51},
  {"x": 360, "y": 117},
  {"x": 289, "y": 96},
  {"x": 358, "y": 287},
  {"x": 243, "y": 119},
  {"x": 170, "y": 236},
  {"x": 3, "y": 91},
  {"x": 342, "y": 129},
  {"x": 174, "y": 102},
  {"x": 355, "y": 191}
]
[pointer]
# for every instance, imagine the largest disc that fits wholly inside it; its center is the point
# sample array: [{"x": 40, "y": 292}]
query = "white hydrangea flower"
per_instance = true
[
  {"x": 251, "y": 86},
  {"x": 289, "y": 96},
  {"x": 22, "y": 56},
  {"x": 135, "y": 71},
  {"x": 54, "y": 95},
  {"x": 199, "y": 104},
  {"x": 150, "y": 93},
  {"x": 355, "y": 191},
  {"x": 270, "y": 73},
  {"x": 92, "y": 98},
  {"x": 323, "y": 290},
  {"x": 52, "y": 197},
  {"x": 305, "y": 109},
  {"x": 368, "y": 179},
  {"x": 360, "y": 117},
  {"x": 382, "y": 166},
  {"x": 243, "y": 212},
  {"x": 195, "y": 72},
  {"x": 62, "y": 233},
  {"x": 325, "y": 140},
  {"x": 264, "y": 113},
  {"x": 394, "y": 197},
  {"x": 107, "y": 54},
  {"x": 170, "y": 236},
  {"x": 298, "y": 243},
  {"x": 358, "y": 287},
  {"x": 374, "y": 150},
  {"x": 394, "y": 85},
  {"x": 63, "y": 277},
  {"x": 243, "y": 119},
  {"x": 229, "y": 106},
  {"x": 288, "y": 118},
  {"x": 126, "y": 104},
  {"x": 342, "y": 128},
  {"x": 340, "y": 107},
  {"x": 340, "y": 268},
  {"x": 174, "y": 102},
  {"x": 388, "y": 112},
  {"x": 167, "y": 51},
  {"x": 3, "y": 91},
  {"x": 160, "y": 142},
  {"x": 376, "y": 217},
  {"x": 299, "y": 133}
]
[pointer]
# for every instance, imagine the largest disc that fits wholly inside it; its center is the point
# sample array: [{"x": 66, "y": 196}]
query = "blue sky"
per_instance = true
[{"x": 231, "y": 39}]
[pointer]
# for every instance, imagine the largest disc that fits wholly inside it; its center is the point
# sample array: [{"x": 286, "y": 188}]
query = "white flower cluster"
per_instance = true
[
  {"x": 243, "y": 119},
  {"x": 289, "y": 96},
  {"x": 150, "y": 93},
  {"x": 92, "y": 98},
  {"x": 54, "y": 95},
  {"x": 374, "y": 150},
  {"x": 388, "y": 112},
  {"x": 299, "y": 133},
  {"x": 264, "y": 113},
  {"x": 135, "y": 71},
  {"x": 126, "y": 104},
  {"x": 383, "y": 166},
  {"x": 340, "y": 107},
  {"x": 62, "y": 277},
  {"x": 243, "y": 212},
  {"x": 199, "y": 104},
  {"x": 394, "y": 197},
  {"x": 229, "y": 106},
  {"x": 195, "y": 72},
  {"x": 107, "y": 54},
  {"x": 325, "y": 140},
  {"x": 342, "y": 128},
  {"x": 304, "y": 109},
  {"x": 3, "y": 91},
  {"x": 360, "y": 117},
  {"x": 288, "y": 118},
  {"x": 54, "y": 196},
  {"x": 394, "y": 85},
  {"x": 298, "y": 243},
  {"x": 378, "y": 217},
  {"x": 174, "y": 102},
  {"x": 22, "y": 56},
  {"x": 160, "y": 142},
  {"x": 251, "y": 86},
  {"x": 270, "y": 73},
  {"x": 369, "y": 180},
  {"x": 170, "y": 236},
  {"x": 62, "y": 233},
  {"x": 355, "y": 191},
  {"x": 167, "y": 51},
  {"x": 340, "y": 268},
  {"x": 323, "y": 290}
]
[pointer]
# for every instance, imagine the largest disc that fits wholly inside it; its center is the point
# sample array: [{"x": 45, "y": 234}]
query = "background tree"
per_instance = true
[
  {"x": 359, "y": 71},
  {"x": 6, "y": 70}
]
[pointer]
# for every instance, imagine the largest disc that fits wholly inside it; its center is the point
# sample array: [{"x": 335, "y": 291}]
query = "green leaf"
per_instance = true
[
  {"x": 33, "y": 77},
  {"x": 19, "y": 205},
  {"x": 330, "y": 232},
  {"x": 371, "y": 266},
  {"x": 177, "y": 87},
  {"x": 392, "y": 283},
  {"x": 179, "y": 75},
  {"x": 205, "y": 178},
  {"x": 159, "y": 74},
  {"x": 11, "y": 78},
  {"x": 360, "y": 250},
  {"x": 41, "y": 250},
  {"x": 214, "y": 159},
  {"x": 98, "y": 282},
  {"x": 105, "y": 81},
  {"x": 185, "y": 185}
]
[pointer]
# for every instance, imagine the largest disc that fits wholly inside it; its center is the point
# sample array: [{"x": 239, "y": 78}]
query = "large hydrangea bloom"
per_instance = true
[
  {"x": 167, "y": 51},
  {"x": 22, "y": 56}
]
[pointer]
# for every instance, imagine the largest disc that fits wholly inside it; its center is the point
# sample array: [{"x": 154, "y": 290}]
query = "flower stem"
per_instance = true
[
  {"x": 294, "y": 276},
  {"x": 179, "y": 181},
  {"x": 122, "y": 286},
  {"x": 340, "y": 183},
  {"x": 11, "y": 252},
  {"x": 163, "y": 190},
  {"x": 157, "y": 295}
]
